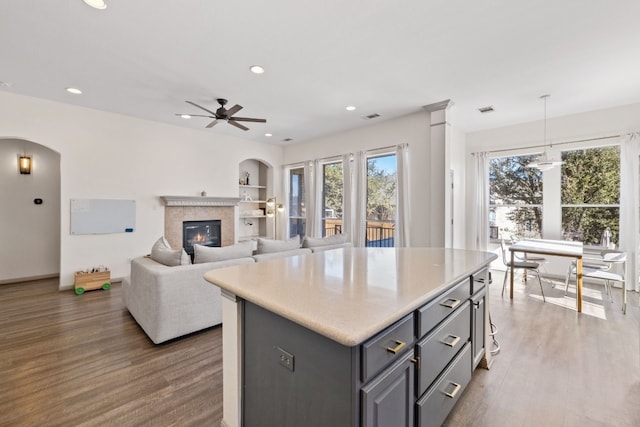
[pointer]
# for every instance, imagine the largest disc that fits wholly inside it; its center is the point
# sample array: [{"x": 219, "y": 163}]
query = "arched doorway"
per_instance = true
[{"x": 30, "y": 212}]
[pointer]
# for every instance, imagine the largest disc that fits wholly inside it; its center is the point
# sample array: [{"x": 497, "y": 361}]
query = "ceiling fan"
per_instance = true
[{"x": 223, "y": 114}]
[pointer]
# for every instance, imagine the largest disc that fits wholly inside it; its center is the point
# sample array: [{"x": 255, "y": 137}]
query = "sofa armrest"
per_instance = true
[{"x": 169, "y": 302}]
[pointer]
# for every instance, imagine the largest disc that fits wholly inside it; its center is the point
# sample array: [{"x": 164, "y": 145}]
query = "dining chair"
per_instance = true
[
  {"x": 604, "y": 272},
  {"x": 532, "y": 257},
  {"x": 525, "y": 265}
]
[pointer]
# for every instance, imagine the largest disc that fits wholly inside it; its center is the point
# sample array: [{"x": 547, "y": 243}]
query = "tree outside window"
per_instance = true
[
  {"x": 515, "y": 198},
  {"x": 381, "y": 200},
  {"x": 590, "y": 194},
  {"x": 333, "y": 184}
]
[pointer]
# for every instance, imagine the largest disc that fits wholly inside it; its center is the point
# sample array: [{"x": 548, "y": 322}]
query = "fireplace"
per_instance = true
[{"x": 206, "y": 233}]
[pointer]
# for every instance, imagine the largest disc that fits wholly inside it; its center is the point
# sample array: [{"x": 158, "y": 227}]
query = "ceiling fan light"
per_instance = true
[
  {"x": 256, "y": 69},
  {"x": 350, "y": 107},
  {"x": 74, "y": 90},
  {"x": 96, "y": 4}
]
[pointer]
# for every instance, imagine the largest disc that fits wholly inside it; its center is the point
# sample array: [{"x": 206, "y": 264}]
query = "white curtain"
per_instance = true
[
  {"x": 480, "y": 206},
  {"x": 348, "y": 196},
  {"x": 630, "y": 213},
  {"x": 360, "y": 205},
  {"x": 403, "y": 211},
  {"x": 313, "y": 197}
]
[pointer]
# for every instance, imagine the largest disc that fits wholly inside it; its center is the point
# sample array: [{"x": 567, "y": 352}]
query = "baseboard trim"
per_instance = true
[{"x": 29, "y": 279}]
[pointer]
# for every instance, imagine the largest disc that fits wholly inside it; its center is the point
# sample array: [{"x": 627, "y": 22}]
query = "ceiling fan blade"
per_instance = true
[
  {"x": 238, "y": 125},
  {"x": 249, "y": 119},
  {"x": 201, "y": 107},
  {"x": 213, "y": 123},
  {"x": 194, "y": 115},
  {"x": 231, "y": 111}
]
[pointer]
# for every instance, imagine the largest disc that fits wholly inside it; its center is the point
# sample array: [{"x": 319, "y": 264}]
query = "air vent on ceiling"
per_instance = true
[
  {"x": 288, "y": 139},
  {"x": 371, "y": 116},
  {"x": 488, "y": 109}
]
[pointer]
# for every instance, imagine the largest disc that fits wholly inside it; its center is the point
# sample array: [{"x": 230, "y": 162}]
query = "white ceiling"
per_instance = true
[{"x": 144, "y": 58}]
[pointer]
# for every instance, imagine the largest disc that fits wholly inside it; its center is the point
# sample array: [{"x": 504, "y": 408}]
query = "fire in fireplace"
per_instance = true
[{"x": 206, "y": 233}]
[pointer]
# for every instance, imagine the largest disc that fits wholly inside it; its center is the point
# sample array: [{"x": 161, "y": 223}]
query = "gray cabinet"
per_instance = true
[{"x": 478, "y": 312}]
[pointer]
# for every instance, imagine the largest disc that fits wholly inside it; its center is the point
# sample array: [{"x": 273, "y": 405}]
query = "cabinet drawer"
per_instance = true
[
  {"x": 386, "y": 347},
  {"x": 438, "y": 348},
  {"x": 435, "y": 312},
  {"x": 436, "y": 404},
  {"x": 479, "y": 280}
]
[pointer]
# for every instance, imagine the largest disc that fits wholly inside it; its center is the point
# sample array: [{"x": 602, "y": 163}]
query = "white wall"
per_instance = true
[
  {"x": 105, "y": 155},
  {"x": 413, "y": 129},
  {"x": 30, "y": 242}
]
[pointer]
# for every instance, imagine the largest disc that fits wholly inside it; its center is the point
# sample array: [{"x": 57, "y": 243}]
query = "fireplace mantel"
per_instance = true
[{"x": 200, "y": 201}]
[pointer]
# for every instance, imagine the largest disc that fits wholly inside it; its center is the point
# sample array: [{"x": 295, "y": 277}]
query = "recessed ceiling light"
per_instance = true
[
  {"x": 350, "y": 107},
  {"x": 96, "y": 4},
  {"x": 256, "y": 69},
  {"x": 74, "y": 91},
  {"x": 185, "y": 116},
  {"x": 268, "y": 134}
]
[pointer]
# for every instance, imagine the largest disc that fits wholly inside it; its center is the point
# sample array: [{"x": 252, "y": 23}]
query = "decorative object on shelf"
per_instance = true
[
  {"x": 246, "y": 178},
  {"x": 203, "y": 193},
  {"x": 245, "y": 196},
  {"x": 24, "y": 163},
  {"x": 543, "y": 162}
]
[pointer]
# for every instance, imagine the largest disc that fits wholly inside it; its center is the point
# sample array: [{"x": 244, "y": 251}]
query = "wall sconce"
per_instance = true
[
  {"x": 271, "y": 207},
  {"x": 280, "y": 207},
  {"x": 24, "y": 164}
]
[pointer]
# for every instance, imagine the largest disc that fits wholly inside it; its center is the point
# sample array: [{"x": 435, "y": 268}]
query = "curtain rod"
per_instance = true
[
  {"x": 339, "y": 156},
  {"x": 555, "y": 143}
]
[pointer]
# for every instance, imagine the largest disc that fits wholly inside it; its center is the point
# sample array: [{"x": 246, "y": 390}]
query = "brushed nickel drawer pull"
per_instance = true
[
  {"x": 453, "y": 342},
  {"x": 456, "y": 389},
  {"x": 400, "y": 345},
  {"x": 450, "y": 303}
]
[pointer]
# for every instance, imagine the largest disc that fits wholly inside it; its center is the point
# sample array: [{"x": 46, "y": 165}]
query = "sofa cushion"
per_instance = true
[
  {"x": 208, "y": 254},
  {"x": 313, "y": 242},
  {"x": 267, "y": 246},
  {"x": 161, "y": 252}
]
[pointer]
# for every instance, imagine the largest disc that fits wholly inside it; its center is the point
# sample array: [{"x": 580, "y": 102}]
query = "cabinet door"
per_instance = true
[{"x": 388, "y": 400}]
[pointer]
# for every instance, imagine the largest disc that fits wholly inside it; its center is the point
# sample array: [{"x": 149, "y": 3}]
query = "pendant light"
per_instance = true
[{"x": 543, "y": 162}]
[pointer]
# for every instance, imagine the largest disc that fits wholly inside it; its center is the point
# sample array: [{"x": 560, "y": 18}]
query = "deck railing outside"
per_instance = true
[{"x": 380, "y": 234}]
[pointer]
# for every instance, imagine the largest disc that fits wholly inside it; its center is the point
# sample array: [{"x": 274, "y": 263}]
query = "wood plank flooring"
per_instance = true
[{"x": 82, "y": 360}]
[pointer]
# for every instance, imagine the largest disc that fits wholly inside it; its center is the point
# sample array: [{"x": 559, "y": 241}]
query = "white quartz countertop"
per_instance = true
[{"x": 349, "y": 295}]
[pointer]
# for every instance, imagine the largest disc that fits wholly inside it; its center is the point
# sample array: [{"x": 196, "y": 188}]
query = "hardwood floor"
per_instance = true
[{"x": 82, "y": 360}]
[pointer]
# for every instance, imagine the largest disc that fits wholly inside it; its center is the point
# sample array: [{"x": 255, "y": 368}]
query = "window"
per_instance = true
[
  {"x": 381, "y": 200},
  {"x": 590, "y": 195},
  {"x": 297, "y": 211},
  {"x": 515, "y": 198},
  {"x": 332, "y": 198}
]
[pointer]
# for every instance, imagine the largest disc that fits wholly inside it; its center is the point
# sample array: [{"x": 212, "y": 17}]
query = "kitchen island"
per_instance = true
[{"x": 358, "y": 336}]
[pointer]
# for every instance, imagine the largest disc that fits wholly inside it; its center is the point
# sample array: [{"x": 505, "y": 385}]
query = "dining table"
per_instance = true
[{"x": 561, "y": 248}]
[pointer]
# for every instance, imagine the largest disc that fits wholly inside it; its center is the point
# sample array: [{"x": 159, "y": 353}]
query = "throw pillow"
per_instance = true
[
  {"x": 161, "y": 252},
  {"x": 208, "y": 254},
  {"x": 316, "y": 242},
  {"x": 267, "y": 246}
]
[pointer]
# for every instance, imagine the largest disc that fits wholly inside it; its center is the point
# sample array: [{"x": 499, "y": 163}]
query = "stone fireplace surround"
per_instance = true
[{"x": 184, "y": 208}]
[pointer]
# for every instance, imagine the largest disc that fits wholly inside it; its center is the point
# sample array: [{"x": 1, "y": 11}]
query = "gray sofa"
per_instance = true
[{"x": 171, "y": 301}]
